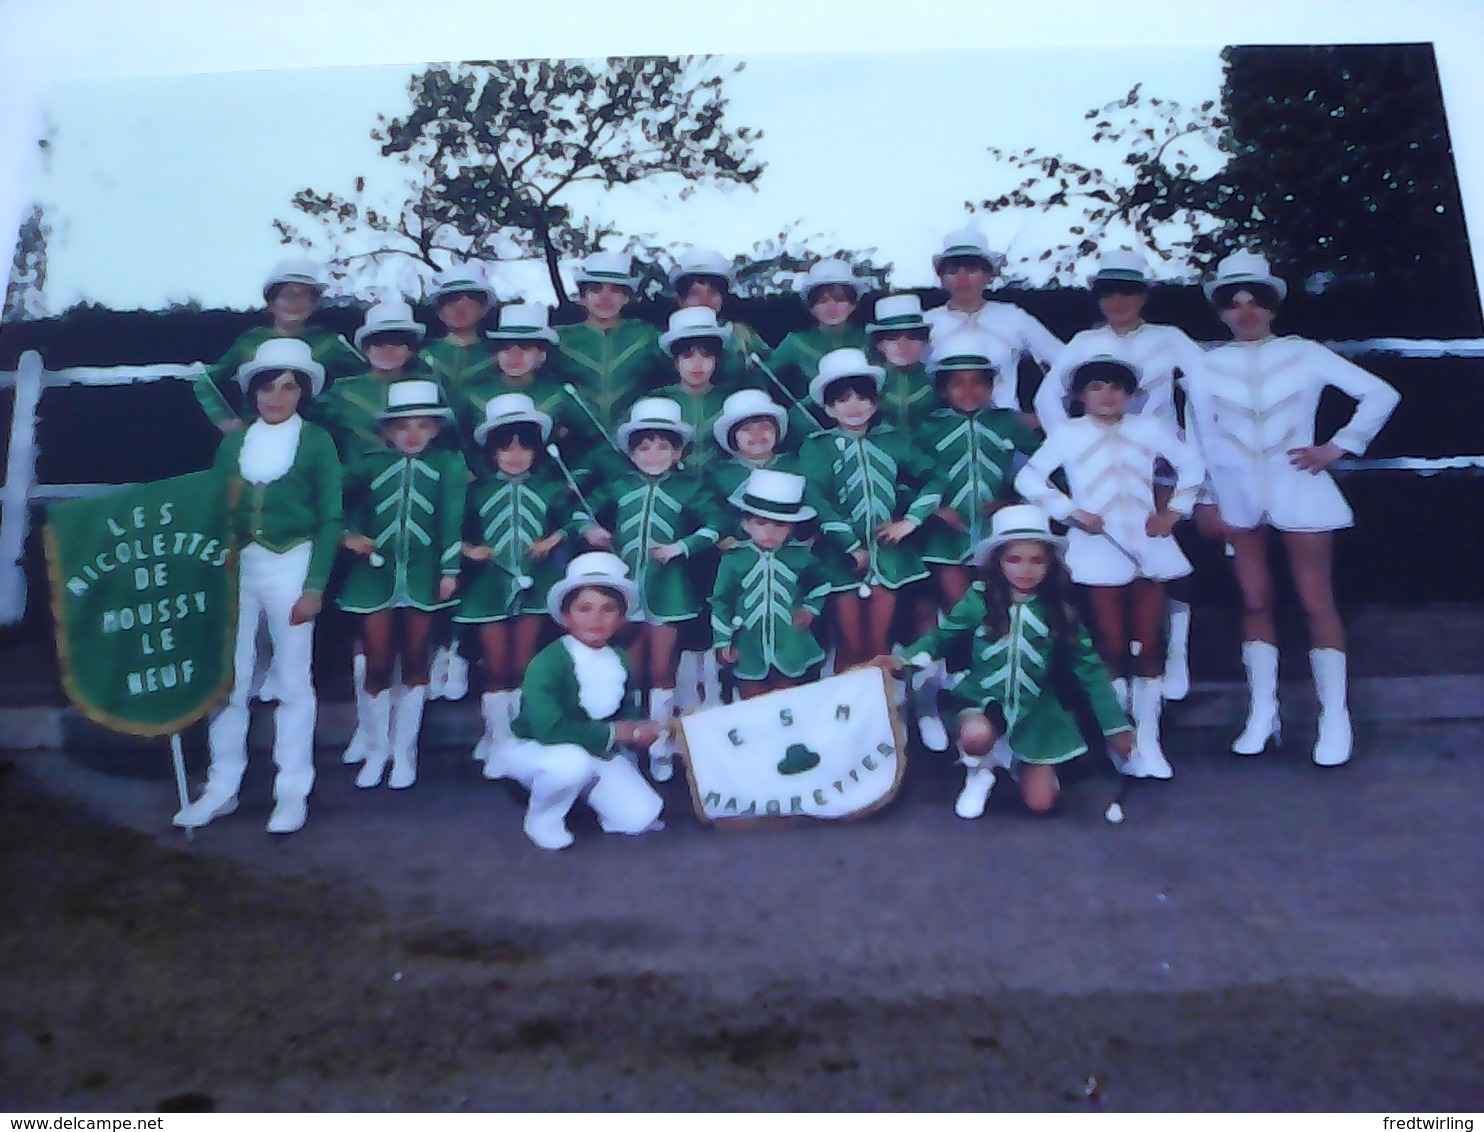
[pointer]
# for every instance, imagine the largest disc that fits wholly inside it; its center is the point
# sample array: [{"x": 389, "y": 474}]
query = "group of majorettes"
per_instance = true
[{"x": 622, "y": 524}]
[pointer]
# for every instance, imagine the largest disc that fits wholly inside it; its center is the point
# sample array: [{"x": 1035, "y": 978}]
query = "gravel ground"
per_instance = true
[{"x": 1258, "y": 935}]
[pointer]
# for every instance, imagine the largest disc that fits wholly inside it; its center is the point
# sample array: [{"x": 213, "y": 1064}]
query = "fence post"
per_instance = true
[{"x": 20, "y": 476}]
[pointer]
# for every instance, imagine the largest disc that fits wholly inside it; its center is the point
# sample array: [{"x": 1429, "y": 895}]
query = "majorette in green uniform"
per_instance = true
[
  {"x": 351, "y": 408},
  {"x": 704, "y": 278},
  {"x": 831, "y": 290},
  {"x": 461, "y": 298},
  {"x": 693, "y": 346},
  {"x": 1012, "y": 672},
  {"x": 291, "y": 291},
  {"x": 899, "y": 338},
  {"x": 974, "y": 452},
  {"x": 412, "y": 509},
  {"x": 612, "y": 361},
  {"x": 874, "y": 477},
  {"x": 577, "y": 714},
  {"x": 509, "y": 514},
  {"x": 644, "y": 512},
  {"x": 521, "y": 344},
  {"x": 768, "y": 584}
]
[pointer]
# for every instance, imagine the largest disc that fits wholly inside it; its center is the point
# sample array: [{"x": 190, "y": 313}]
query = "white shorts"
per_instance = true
[
  {"x": 1093, "y": 560},
  {"x": 1276, "y": 493}
]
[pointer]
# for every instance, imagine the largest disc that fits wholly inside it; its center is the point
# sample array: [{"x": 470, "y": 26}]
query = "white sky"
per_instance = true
[{"x": 161, "y": 189}]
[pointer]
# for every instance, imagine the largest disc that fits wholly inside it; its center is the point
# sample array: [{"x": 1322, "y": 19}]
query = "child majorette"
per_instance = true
[
  {"x": 1028, "y": 656},
  {"x": 1251, "y": 408},
  {"x": 655, "y": 517},
  {"x": 577, "y": 712},
  {"x": 964, "y": 268},
  {"x": 704, "y": 278},
  {"x": 973, "y": 445},
  {"x": 899, "y": 340},
  {"x": 1120, "y": 545},
  {"x": 1161, "y": 356},
  {"x": 831, "y": 290},
  {"x": 882, "y": 485},
  {"x": 695, "y": 342},
  {"x": 284, "y": 495},
  {"x": 351, "y": 408},
  {"x": 522, "y": 344},
  {"x": 292, "y": 290},
  {"x": 404, "y": 515},
  {"x": 518, "y": 512},
  {"x": 769, "y": 589},
  {"x": 611, "y": 360},
  {"x": 461, "y": 298}
]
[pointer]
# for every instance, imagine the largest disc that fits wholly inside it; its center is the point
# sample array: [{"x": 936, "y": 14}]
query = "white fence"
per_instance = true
[{"x": 31, "y": 378}]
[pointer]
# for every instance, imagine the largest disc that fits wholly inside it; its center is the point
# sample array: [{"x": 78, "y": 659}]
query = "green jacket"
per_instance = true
[
  {"x": 753, "y": 604},
  {"x": 908, "y": 398},
  {"x": 796, "y": 360},
  {"x": 612, "y": 368},
  {"x": 1013, "y": 672},
  {"x": 975, "y": 458},
  {"x": 351, "y": 409},
  {"x": 551, "y": 710},
  {"x": 698, "y": 411},
  {"x": 508, "y": 515},
  {"x": 412, "y": 507},
  {"x": 454, "y": 365},
  {"x": 219, "y": 393},
  {"x": 735, "y": 371},
  {"x": 301, "y": 506},
  {"x": 644, "y": 513},
  {"x": 873, "y": 480}
]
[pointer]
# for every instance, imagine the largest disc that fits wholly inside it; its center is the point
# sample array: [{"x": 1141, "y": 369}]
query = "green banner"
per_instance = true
[{"x": 144, "y": 592}]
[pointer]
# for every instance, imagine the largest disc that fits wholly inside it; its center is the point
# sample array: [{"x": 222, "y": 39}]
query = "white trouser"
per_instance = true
[
  {"x": 556, "y": 774},
  {"x": 268, "y": 584}
]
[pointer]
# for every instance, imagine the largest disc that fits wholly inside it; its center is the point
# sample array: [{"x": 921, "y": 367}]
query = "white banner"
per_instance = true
[{"x": 831, "y": 749}]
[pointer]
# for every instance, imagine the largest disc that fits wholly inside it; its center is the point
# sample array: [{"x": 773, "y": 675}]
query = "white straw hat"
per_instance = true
[
  {"x": 277, "y": 354},
  {"x": 966, "y": 349},
  {"x": 744, "y": 405},
  {"x": 1016, "y": 523},
  {"x": 393, "y": 317},
  {"x": 607, "y": 267},
  {"x": 467, "y": 279},
  {"x": 694, "y": 322},
  {"x": 773, "y": 495},
  {"x": 831, "y": 273},
  {"x": 1245, "y": 267},
  {"x": 703, "y": 262},
  {"x": 508, "y": 409},
  {"x": 297, "y": 270},
  {"x": 524, "y": 322},
  {"x": 416, "y": 398},
  {"x": 840, "y": 364},
  {"x": 1122, "y": 266},
  {"x": 897, "y": 312},
  {"x": 967, "y": 243},
  {"x": 595, "y": 568},
  {"x": 655, "y": 413}
]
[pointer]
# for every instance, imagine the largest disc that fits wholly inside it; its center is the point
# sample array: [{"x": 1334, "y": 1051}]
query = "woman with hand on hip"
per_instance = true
[{"x": 1252, "y": 405}]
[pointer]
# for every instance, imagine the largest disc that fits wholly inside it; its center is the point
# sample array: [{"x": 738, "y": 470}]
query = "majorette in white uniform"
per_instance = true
[
  {"x": 1110, "y": 470},
  {"x": 1155, "y": 351},
  {"x": 1011, "y": 331}
]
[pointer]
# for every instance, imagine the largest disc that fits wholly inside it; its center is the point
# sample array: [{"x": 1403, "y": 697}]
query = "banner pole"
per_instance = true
[{"x": 178, "y": 758}]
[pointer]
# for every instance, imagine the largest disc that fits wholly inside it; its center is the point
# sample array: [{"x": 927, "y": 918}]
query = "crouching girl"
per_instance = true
[
  {"x": 577, "y": 713},
  {"x": 1028, "y": 656}
]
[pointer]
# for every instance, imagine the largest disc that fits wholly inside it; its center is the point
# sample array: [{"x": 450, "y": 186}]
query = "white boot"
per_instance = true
[
  {"x": 1261, "y": 661},
  {"x": 456, "y": 680},
  {"x": 1149, "y": 760},
  {"x": 289, "y": 815},
  {"x": 438, "y": 674},
  {"x": 378, "y": 740},
  {"x": 494, "y": 709},
  {"x": 1121, "y": 693},
  {"x": 205, "y": 809},
  {"x": 688, "y": 680},
  {"x": 407, "y": 722},
  {"x": 356, "y": 751},
  {"x": 662, "y": 751},
  {"x": 930, "y": 727},
  {"x": 1332, "y": 748},
  {"x": 1177, "y": 652},
  {"x": 978, "y": 782}
]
